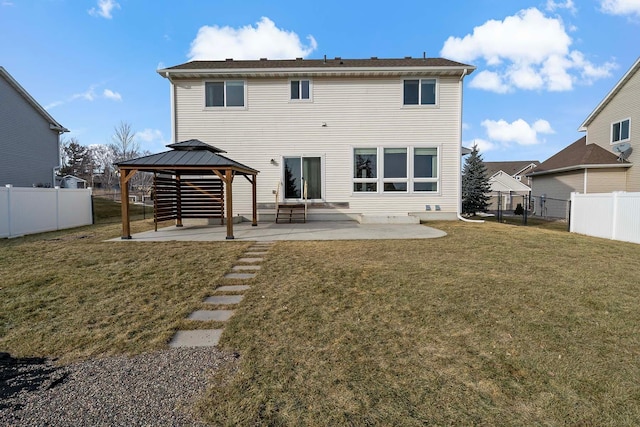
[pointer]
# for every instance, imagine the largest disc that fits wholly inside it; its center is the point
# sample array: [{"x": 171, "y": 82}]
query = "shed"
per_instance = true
[{"x": 181, "y": 188}]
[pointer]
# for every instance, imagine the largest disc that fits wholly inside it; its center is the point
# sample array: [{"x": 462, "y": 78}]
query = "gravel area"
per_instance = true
[{"x": 153, "y": 389}]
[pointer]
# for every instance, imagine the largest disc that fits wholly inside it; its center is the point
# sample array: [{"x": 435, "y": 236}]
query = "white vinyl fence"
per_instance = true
[
  {"x": 35, "y": 210},
  {"x": 610, "y": 215}
]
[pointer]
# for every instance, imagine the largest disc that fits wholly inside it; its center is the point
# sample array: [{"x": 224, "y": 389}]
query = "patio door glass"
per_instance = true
[{"x": 301, "y": 170}]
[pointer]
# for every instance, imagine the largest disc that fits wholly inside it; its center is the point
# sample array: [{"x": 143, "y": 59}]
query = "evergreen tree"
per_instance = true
[{"x": 475, "y": 184}]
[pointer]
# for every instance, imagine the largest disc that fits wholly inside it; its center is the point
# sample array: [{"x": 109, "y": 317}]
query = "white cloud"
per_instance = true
[
  {"x": 621, "y": 7},
  {"x": 482, "y": 144},
  {"x": 265, "y": 40},
  {"x": 552, "y": 5},
  {"x": 488, "y": 80},
  {"x": 104, "y": 9},
  {"x": 528, "y": 51},
  {"x": 109, "y": 94},
  {"x": 7, "y": 3},
  {"x": 519, "y": 131},
  {"x": 152, "y": 139},
  {"x": 87, "y": 95}
]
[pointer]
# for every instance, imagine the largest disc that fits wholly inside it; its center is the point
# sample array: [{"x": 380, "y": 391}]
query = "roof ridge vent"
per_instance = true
[
  {"x": 229, "y": 59},
  {"x": 263, "y": 59},
  {"x": 338, "y": 58},
  {"x": 407, "y": 57},
  {"x": 298, "y": 59},
  {"x": 374, "y": 57}
]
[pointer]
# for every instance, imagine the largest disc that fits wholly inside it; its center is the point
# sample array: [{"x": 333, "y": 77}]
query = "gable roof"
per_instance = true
[
  {"x": 53, "y": 124},
  {"x": 274, "y": 67},
  {"x": 607, "y": 99},
  {"x": 511, "y": 167},
  {"x": 502, "y": 181},
  {"x": 579, "y": 155}
]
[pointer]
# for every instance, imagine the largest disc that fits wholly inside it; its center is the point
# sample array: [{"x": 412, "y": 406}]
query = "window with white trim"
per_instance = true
[
  {"x": 620, "y": 131},
  {"x": 228, "y": 93},
  {"x": 425, "y": 169},
  {"x": 419, "y": 92},
  {"x": 301, "y": 90},
  {"x": 395, "y": 170}
]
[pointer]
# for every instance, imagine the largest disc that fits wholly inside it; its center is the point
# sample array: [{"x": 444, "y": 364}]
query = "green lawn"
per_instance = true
[{"x": 492, "y": 325}]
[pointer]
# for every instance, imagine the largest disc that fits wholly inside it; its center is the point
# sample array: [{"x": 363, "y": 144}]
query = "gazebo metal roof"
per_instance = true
[{"x": 192, "y": 157}]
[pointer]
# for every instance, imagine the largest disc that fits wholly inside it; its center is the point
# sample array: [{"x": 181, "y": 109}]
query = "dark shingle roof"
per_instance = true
[
  {"x": 511, "y": 167},
  {"x": 578, "y": 155},
  {"x": 316, "y": 63}
]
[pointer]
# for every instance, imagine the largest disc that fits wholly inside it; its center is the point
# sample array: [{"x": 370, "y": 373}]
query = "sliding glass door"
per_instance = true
[{"x": 301, "y": 170}]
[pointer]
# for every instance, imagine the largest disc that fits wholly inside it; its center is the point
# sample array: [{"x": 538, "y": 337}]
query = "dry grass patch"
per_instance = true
[
  {"x": 491, "y": 325},
  {"x": 73, "y": 295}
]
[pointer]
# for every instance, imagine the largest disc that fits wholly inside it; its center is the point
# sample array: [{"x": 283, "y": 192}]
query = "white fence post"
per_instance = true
[
  {"x": 9, "y": 219},
  {"x": 614, "y": 216}
]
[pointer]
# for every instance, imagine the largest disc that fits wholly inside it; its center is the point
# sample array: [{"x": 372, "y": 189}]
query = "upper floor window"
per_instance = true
[
  {"x": 620, "y": 131},
  {"x": 300, "y": 89},
  {"x": 419, "y": 92},
  {"x": 229, "y": 93}
]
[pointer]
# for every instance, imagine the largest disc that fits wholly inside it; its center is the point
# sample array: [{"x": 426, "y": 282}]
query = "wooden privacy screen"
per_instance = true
[{"x": 176, "y": 198}]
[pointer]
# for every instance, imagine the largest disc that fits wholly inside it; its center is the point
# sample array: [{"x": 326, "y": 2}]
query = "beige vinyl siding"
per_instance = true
[
  {"x": 558, "y": 186},
  {"x": 625, "y": 104},
  {"x": 605, "y": 180},
  {"x": 357, "y": 112}
]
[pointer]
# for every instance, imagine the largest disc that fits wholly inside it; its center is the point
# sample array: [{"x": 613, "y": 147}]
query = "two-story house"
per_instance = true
[
  {"x": 366, "y": 138},
  {"x": 29, "y": 138},
  {"x": 604, "y": 159}
]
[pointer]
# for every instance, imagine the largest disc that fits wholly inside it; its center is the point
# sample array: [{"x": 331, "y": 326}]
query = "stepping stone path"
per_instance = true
[{"x": 227, "y": 296}]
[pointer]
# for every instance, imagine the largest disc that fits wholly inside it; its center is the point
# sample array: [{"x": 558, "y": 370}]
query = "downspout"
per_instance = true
[{"x": 459, "y": 173}]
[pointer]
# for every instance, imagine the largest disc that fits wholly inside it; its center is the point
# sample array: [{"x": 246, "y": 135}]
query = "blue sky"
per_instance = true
[{"x": 542, "y": 67}]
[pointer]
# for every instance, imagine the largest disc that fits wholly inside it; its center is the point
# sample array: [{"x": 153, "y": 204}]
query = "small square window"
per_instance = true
[
  {"x": 300, "y": 89},
  {"x": 224, "y": 94},
  {"x": 620, "y": 131},
  {"x": 419, "y": 92}
]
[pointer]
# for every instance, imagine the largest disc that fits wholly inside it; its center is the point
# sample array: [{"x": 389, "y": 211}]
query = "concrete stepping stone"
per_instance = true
[
  {"x": 250, "y": 254},
  {"x": 250, "y": 260},
  {"x": 217, "y": 315},
  {"x": 246, "y": 267},
  {"x": 197, "y": 338},
  {"x": 233, "y": 288},
  {"x": 240, "y": 276},
  {"x": 224, "y": 299}
]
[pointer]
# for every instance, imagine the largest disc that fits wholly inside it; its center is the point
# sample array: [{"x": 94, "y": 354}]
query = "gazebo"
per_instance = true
[{"x": 180, "y": 191}]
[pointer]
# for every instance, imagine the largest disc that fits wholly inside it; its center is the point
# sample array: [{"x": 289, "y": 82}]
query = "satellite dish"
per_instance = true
[{"x": 623, "y": 150}]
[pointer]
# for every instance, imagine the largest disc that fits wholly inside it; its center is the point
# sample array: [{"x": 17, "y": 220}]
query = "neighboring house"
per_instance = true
[
  {"x": 378, "y": 137},
  {"x": 509, "y": 182},
  {"x": 70, "y": 181},
  {"x": 517, "y": 169},
  {"x": 506, "y": 192},
  {"x": 603, "y": 160},
  {"x": 29, "y": 138}
]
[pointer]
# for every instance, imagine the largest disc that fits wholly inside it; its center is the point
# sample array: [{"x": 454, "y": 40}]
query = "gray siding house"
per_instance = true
[{"x": 29, "y": 138}]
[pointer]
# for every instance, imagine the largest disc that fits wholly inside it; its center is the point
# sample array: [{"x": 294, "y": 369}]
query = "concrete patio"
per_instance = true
[{"x": 269, "y": 231}]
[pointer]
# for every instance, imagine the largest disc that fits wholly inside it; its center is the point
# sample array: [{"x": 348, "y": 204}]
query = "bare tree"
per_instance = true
[{"x": 123, "y": 142}]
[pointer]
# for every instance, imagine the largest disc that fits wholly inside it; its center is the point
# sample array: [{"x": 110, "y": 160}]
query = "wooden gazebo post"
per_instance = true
[
  {"x": 228, "y": 182},
  {"x": 255, "y": 201},
  {"x": 125, "y": 176}
]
